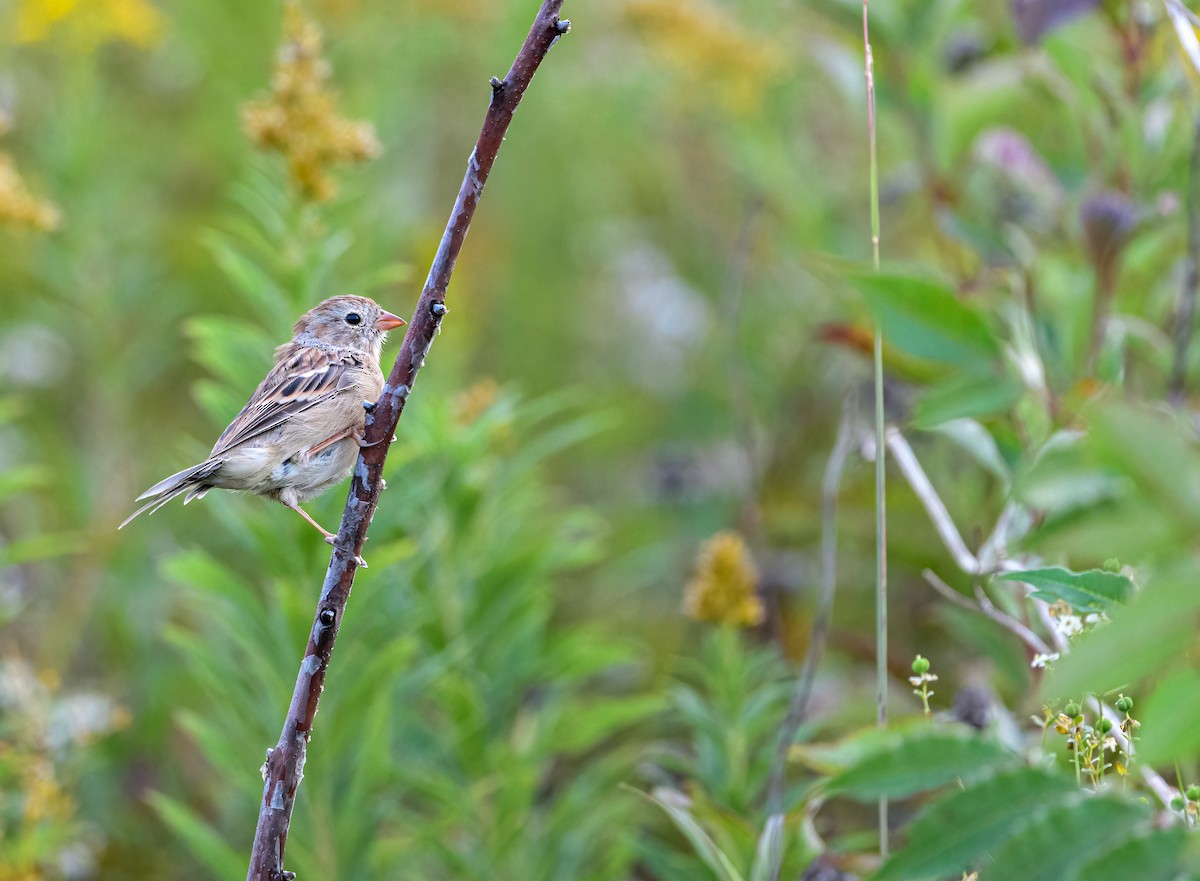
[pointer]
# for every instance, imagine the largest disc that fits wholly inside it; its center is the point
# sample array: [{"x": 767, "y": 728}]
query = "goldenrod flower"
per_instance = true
[
  {"x": 722, "y": 590},
  {"x": 89, "y": 23},
  {"x": 710, "y": 49},
  {"x": 19, "y": 207},
  {"x": 475, "y": 401},
  {"x": 299, "y": 118}
]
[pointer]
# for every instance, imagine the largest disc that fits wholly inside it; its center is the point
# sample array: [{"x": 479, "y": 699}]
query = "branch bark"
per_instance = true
[{"x": 284, "y": 766}]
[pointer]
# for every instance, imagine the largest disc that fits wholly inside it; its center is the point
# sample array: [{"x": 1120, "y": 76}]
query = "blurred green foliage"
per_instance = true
[{"x": 658, "y": 315}]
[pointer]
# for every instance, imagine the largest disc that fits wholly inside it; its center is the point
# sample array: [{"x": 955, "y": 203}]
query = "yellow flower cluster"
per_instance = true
[
  {"x": 19, "y": 207},
  {"x": 708, "y": 47},
  {"x": 299, "y": 118},
  {"x": 88, "y": 23},
  {"x": 722, "y": 590}
]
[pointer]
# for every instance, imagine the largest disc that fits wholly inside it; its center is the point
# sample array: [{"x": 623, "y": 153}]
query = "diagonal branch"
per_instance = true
[
  {"x": 285, "y": 763},
  {"x": 911, "y": 468},
  {"x": 985, "y": 607}
]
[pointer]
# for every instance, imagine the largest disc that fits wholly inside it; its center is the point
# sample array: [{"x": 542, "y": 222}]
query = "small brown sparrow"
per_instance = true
[{"x": 301, "y": 430}]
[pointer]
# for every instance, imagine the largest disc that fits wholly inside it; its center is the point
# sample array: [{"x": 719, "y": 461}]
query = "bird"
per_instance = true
[{"x": 301, "y": 430}]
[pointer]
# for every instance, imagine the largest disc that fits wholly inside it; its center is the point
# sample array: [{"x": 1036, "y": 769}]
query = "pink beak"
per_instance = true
[{"x": 387, "y": 321}]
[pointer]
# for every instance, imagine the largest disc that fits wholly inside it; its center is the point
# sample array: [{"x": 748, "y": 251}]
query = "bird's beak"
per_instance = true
[{"x": 387, "y": 321}]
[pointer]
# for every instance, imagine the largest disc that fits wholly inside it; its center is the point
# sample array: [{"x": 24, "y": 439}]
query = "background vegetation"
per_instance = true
[{"x": 595, "y": 573}]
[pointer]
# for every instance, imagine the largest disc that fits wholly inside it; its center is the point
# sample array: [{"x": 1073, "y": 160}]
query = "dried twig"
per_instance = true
[
  {"x": 798, "y": 707},
  {"x": 985, "y": 607},
  {"x": 740, "y": 386},
  {"x": 283, "y": 769},
  {"x": 1185, "y": 317},
  {"x": 906, "y": 459}
]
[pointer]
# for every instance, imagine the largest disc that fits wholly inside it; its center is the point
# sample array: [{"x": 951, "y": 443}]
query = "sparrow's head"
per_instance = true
[{"x": 357, "y": 323}]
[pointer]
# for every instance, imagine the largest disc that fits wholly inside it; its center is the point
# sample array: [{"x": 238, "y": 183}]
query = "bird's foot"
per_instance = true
[{"x": 361, "y": 440}]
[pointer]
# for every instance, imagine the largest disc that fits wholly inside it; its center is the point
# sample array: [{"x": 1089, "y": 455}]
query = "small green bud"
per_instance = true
[
  {"x": 1124, "y": 704},
  {"x": 1072, "y": 709},
  {"x": 1104, "y": 726},
  {"x": 920, "y": 665},
  {"x": 1112, "y": 564},
  {"x": 1193, "y": 793},
  {"x": 1177, "y": 803}
]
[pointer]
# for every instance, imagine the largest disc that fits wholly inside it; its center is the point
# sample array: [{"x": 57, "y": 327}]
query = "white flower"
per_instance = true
[
  {"x": 1068, "y": 625},
  {"x": 1041, "y": 659}
]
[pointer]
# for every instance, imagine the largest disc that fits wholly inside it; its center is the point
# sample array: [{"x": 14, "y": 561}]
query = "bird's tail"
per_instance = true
[{"x": 190, "y": 480}]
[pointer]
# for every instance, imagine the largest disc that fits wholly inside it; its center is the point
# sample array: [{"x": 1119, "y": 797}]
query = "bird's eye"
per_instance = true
[{"x": 353, "y": 318}]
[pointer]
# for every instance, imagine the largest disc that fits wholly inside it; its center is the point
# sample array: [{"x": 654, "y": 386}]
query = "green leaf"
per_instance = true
[
  {"x": 46, "y": 546},
  {"x": 589, "y": 722},
  {"x": 1171, "y": 720},
  {"x": 22, "y": 478},
  {"x": 1158, "y": 452},
  {"x": 232, "y": 349},
  {"x": 978, "y": 442},
  {"x": 964, "y": 397},
  {"x": 202, "y": 840},
  {"x": 829, "y": 759},
  {"x": 769, "y": 853},
  {"x": 926, "y": 319},
  {"x": 254, "y": 283},
  {"x": 919, "y": 762},
  {"x": 704, "y": 846},
  {"x": 1091, "y": 591},
  {"x": 1155, "y": 855},
  {"x": 958, "y": 830},
  {"x": 1139, "y": 641},
  {"x": 1055, "y": 843}
]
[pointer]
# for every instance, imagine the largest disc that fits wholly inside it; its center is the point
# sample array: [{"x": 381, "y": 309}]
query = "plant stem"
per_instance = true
[
  {"x": 881, "y": 635},
  {"x": 1185, "y": 316},
  {"x": 283, "y": 768},
  {"x": 798, "y": 707}
]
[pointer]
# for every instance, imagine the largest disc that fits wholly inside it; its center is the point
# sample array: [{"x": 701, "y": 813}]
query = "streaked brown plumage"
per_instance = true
[{"x": 300, "y": 432}]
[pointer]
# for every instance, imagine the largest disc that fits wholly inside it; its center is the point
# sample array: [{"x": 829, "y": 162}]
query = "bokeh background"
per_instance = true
[{"x": 598, "y": 557}]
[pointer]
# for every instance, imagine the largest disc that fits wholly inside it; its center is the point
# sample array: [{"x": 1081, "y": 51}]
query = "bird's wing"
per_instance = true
[{"x": 300, "y": 379}]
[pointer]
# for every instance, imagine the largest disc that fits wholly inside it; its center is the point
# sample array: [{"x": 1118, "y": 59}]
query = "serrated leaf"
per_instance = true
[
  {"x": 1140, "y": 640},
  {"x": 1153, "y": 856},
  {"x": 926, "y": 319},
  {"x": 1091, "y": 591},
  {"x": 829, "y": 759},
  {"x": 956, "y": 831},
  {"x": 1057, "y": 841},
  {"x": 919, "y": 762}
]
